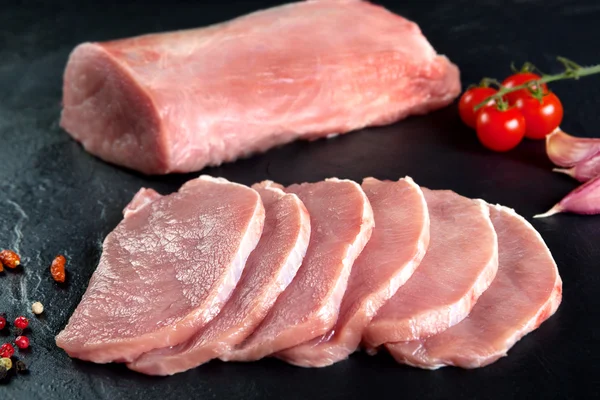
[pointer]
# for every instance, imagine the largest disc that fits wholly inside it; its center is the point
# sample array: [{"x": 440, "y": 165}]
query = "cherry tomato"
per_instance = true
[
  {"x": 500, "y": 130},
  {"x": 542, "y": 117},
  {"x": 469, "y": 100},
  {"x": 518, "y": 79}
]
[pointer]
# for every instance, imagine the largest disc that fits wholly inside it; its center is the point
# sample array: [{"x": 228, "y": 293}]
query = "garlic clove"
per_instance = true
[
  {"x": 566, "y": 171},
  {"x": 566, "y": 151},
  {"x": 583, "y": 171},
  {"x": 583, "y": 200}
]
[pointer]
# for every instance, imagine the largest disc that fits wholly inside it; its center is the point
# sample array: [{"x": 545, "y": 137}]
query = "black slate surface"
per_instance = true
[{"x": 55, "y": 198}]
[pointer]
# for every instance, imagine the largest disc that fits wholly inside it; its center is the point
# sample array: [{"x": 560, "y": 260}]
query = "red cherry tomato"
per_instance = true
[
  {"x": 469, "y": 100},
  {"x": 518, "y": 79},
  {"x": 542, "y": 117},
  {"x": 500, "y": 130}
]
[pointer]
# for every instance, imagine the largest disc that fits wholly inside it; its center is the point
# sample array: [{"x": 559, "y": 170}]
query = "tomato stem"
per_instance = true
[
  {"x": 502, "y": 104},
  {"x": 572, "y": 71},
  {"x": 487, "y": 82},
  {"x": 526, "y": 67}
]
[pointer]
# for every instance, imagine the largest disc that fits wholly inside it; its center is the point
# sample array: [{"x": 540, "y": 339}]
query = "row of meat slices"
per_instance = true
[{"x": 309, "y": 274}]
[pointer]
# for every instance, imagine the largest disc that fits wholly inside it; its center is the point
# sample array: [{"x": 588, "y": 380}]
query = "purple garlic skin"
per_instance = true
[
  {"x": 584, "y": 170},
  {"x": 565, "y": 150},
  {"x": 583, "y": 200}
]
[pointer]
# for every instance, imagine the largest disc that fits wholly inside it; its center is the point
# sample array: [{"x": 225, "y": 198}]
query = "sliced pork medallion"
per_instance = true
[
  {"x": 460, "y": 264},
  {"x": 165, "y": 270},
  {"x": 142, "y": 198},
  {"x": 396, "y": 248},
  {"x": 269, "y": 270},
  {"x": 527, "y": 291},
  {"x": 341, "y": 224}
]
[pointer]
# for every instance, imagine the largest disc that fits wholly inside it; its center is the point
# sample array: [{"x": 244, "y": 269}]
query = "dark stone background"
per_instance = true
[{"x": 55, "y": 198}]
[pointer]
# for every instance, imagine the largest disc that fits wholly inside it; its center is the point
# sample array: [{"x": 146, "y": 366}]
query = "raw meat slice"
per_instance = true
[
  {"x": 527, "y": 291},
  {"x": 396, "y": 248},
  {"x": 460, "y": 264},
  {"x": 341, "y": 224},
  {"x": 165, "y": 270},
  {"x": 179, "y": 101},
  {"x": 269, "y": 270},
  {"x": 142, "y": 198}
]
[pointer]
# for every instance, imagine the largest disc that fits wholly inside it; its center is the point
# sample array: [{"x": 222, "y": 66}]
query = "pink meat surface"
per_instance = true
[
  {"x": 142, "y": 198},
  {"x": 165, "y": 270},
  {"x": 179, "y": 101},
  {"x": 393, "y": 253},
  {"x": 460, "y": 264},
  {"x": 341, "y": 225},
  {"x": 527, "y": 291},
  {"x": 269, "y": 270}
]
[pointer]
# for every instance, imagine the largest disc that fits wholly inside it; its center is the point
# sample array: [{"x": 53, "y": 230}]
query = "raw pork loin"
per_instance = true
[
  {"x": 341, "y": 225},
  {"x": 323, "y": 265},
  {"x": 527, "y": 291},
  {"x": 165, "y": 270},
  {"x": 179, "y": 101},
  {"x": 270, "y": 268},
  {"x": 460, "y": 264},
  {"x": 396, "y": 248}
]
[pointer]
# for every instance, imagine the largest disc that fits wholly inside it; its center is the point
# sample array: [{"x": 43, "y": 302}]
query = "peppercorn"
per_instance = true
[
  {"x": 37, "y": 308},
  {"x": 7, "y": 350},
  {"x": 3, "y": 373},
  {"x": 21, "y": 322},
  {"x": 6, "y": 362},
  {"x": 20, "y": 366},
  {"x": 57, "y": 269},
  {"x": 22, "y": 342},
  {"x": 9, "y": 258},
  {"x": 2, "y": 322}
]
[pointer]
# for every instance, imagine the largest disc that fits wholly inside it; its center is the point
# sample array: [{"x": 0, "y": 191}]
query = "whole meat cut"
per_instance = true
[{"x": 180, "y": 101}]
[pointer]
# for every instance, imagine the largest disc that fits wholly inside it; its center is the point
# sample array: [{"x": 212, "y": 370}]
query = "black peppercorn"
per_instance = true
[{"x": 20, "y": 367}]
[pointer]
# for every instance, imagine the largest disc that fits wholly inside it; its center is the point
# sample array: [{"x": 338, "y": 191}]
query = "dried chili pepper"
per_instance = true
[
  {"x": 10, "y": 259},
  {"x": 57, "y": 269}
]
